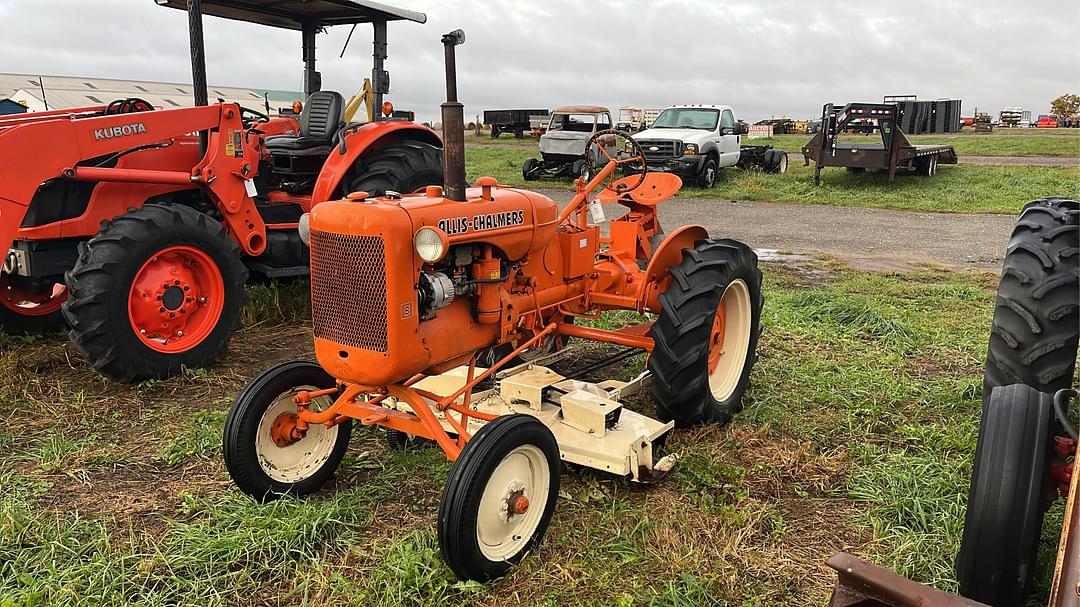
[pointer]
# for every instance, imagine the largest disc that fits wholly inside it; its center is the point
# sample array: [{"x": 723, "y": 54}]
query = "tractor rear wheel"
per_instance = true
[
  {"x": 157, "y": 290},
  {"x": 706, "y": 334},
  {"x": 1036, "y": 326},
  {"x": 499, "y": 497},
  {"x": 403, "y": 167},
  {"x": 1005, "y": 505},
  {"x": 27, "y": 312},
  {"x": 265, "y": 454}
]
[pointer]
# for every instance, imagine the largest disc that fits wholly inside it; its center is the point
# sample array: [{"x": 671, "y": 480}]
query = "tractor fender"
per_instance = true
[
  {"x": 667, "y": 256},
  {"x": 357, "y": 142}
]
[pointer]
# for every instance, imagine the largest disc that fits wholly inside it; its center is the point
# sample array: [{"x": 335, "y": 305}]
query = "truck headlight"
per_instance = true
[
  {"x": 304, "y": 228},
  {"x": 690, "y": 149},
  {"x": 431, "y": 244}
]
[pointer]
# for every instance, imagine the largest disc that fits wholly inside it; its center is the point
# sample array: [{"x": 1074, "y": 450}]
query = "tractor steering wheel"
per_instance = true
[
  {"x": 258, "y": 116},
  {"x": 595, "y": 161}
]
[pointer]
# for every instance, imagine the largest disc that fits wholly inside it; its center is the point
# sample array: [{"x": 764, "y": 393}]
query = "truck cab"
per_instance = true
[{"x": 693, "y": 141}]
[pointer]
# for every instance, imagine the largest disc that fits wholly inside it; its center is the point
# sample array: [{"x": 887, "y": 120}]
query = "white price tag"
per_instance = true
[
  {"x": 249, "y": 186},
  {"x": 596, "y": 211}
]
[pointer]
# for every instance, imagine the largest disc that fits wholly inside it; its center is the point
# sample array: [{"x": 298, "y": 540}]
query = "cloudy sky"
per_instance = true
[{"x": 764, "y": 57}]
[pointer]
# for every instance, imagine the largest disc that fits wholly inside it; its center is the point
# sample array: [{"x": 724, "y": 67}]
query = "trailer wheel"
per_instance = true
[
  {"x": 499, "y": 497},
  {"x": 263, "y": 454},
  {"x": 776, "y": 161},
  {"x": 156, "y": 290},
  {"x": 1005, "y": 505},
  {"x": 399, "y": 167},
  {"x": 926, "y": 166},
  {"x": 707, "y": 178},
  {"x": 530, "y": 168},
  {"x": 1036, "y": 325},
  {"x": 24, "y": 312},
  {"x": 706, "y": 334}
]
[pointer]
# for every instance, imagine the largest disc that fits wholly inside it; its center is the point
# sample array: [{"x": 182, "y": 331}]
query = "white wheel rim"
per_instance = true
[
  {"x": 783, "y": 164},
  {"x": 726, "y": 367},
  {"x": 500, "y": 533},
  {"x": 305, "y": 457}
]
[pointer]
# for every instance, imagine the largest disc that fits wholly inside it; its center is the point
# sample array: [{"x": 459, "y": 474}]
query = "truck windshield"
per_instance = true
[
  {"x": 687, "y": 118},
  {"x": 582, "y": 123}
]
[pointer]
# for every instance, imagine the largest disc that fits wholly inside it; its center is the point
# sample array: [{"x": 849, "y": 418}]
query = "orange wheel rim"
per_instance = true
[
  {"x": 26, "y": 303},
  {"x": 176, "y": 299},
  {"x": 716, "y": 337}
]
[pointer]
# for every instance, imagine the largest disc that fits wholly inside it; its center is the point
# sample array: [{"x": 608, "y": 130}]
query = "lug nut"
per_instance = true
[{"x": 179, "y": 333}]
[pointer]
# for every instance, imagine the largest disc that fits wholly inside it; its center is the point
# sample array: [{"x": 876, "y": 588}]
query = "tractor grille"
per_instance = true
[
  {"x": 348, "y": 289},
  {"x": 664, "y": 150}
]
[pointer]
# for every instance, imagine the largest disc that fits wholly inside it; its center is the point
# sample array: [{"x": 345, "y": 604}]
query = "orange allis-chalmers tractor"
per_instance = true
[
  {"x": 139, "y": 226},
  {"x": 425, "y": 304}
]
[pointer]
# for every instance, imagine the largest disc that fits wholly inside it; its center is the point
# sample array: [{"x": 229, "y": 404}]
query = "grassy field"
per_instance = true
[
  {"x": 960, "y": 188},
  {"x": 1004, "y": 142},
  {"x": 857, "y": 435}
]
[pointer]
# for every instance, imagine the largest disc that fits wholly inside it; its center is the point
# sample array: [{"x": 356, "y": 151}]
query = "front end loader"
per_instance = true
[
  {"x": 428, "y": 308},
  {"x": 138, "y": 227}
]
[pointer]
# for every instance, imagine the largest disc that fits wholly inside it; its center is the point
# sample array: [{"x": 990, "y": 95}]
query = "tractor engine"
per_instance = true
[{"x": 404, "y": 284}]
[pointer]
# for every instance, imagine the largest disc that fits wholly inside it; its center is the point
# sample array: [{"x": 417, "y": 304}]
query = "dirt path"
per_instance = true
[{"x": 879, "y": 239}]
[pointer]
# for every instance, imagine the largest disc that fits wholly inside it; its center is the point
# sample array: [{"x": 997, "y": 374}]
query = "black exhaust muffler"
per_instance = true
[{"x": 453, "y": 124}]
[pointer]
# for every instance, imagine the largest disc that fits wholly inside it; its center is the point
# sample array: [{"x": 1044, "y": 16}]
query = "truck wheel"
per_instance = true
[
  {"x": 499, "y": 497},
  {"x": 580, "y": 168},
  {"x": 707, "y": 178},
  {"x": 529, "y": 169},
  {"x": 263, "y": 455},
  {"x": 1005, "y": 505},
  {"x": 399, "y": 167},
  {"x": 776, "y": 162},
  {"x": 24, "y": 312},
  {"x": 156, "y": 290},
  {"x": 706, "y": 334},
  {"x": 1036, "y": 326}
]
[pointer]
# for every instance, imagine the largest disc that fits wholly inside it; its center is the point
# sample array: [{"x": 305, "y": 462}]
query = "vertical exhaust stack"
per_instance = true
[{"x": 453, "y": 124}]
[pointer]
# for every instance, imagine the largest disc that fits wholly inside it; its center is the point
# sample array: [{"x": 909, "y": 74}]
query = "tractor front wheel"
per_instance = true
[
  {"x": 706, "y": 334},
  {"x": 266, "y": 455},
  {"x": 30, "y": 312},
  {"x": 156, "y": 290},
  {"x": 499, "y": 497}
]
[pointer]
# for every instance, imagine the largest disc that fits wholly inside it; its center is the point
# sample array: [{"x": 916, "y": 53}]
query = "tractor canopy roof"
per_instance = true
[{"x": 293, "y": 14}]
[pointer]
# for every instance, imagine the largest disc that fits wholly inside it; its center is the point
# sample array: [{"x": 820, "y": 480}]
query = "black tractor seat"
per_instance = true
[{"x": 322, "y": 117}]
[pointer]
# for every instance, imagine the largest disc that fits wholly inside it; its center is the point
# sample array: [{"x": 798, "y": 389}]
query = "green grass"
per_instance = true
[
  {"x": 857, "y": 434},
  {"x": 960, "y": 188},
  {"x": 1018, "y": 142}
]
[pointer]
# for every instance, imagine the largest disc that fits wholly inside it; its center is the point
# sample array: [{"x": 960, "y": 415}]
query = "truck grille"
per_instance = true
[
  {"x": 665, "y": 150},
  {"x": 348, "y": 289}
]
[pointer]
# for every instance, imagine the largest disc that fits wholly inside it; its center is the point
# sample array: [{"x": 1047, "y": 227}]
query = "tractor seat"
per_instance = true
[{"x": 323, "y": 115}]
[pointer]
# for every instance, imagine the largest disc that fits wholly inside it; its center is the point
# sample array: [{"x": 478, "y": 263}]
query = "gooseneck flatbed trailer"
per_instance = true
[{"x": 893, "y": 151}]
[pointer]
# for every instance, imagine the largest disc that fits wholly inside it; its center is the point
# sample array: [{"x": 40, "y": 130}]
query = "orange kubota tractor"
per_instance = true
[
  {"x": 139, "y": 226},
  {"x": 410, "y": 293}
]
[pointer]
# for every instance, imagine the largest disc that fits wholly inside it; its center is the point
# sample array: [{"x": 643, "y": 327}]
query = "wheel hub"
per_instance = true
[
  {"x": 176, "y": 299},
  {"x": 284, "y": 431}
]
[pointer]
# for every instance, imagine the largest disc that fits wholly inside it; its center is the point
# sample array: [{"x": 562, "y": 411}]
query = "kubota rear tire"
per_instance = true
[
  {"x": 1036, "y": 326},
  {"x": 705, "y": 338},
  {"x": 157, "y": 290},
  {"x": 403, "y": 167},
  {"x": 1005, "y": 505}
]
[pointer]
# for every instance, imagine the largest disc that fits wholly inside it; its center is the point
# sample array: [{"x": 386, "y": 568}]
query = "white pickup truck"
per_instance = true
[{"x": 694, "y": 141}]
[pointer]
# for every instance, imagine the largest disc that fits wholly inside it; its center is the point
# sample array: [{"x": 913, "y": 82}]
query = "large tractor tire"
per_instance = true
[
  {"x": 157, "y": 290},
  {"x": 26, "y": 312},
  {"x": 706, "y": 334},
  {"x": 403, "y": 167},
  {"x": 1005, "y": 504},
  {"x": 1033, "y": 338}
]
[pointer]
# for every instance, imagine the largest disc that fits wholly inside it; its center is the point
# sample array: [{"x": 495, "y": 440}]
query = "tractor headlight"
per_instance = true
[
  {"x": 304, "y": 227},
  {"x": 690, "y": 149},
  {"x": 431, "y": 244}
]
